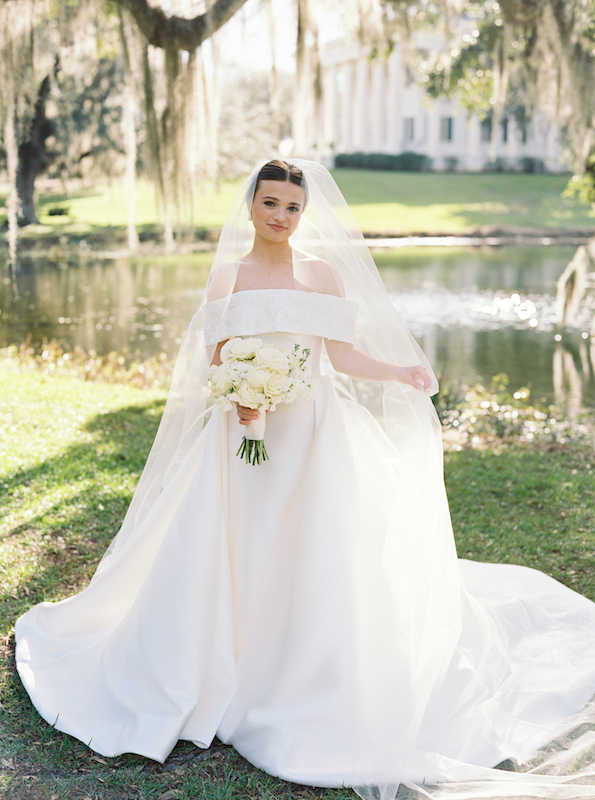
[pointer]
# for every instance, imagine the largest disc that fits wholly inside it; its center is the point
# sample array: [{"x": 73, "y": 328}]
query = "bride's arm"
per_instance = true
[
  {"x": 347, "y": 359},
  {"x": 216, "y": 360}
]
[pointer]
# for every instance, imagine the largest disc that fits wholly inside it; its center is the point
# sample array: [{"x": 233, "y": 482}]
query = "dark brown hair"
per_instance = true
[{"x": 278, "y": 170}]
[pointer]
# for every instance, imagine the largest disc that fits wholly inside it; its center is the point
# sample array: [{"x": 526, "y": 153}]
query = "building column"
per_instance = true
[
  {"x": 377, "y": 128},
  {"x": 392, "y": 100},
  {"x": 473, "y": 160},
  {"x": 432, "y": 133},
  {"x": 361, "y": 109},
  {"x": 347, "y": 108},
  {"x": 330, "y": 102}
]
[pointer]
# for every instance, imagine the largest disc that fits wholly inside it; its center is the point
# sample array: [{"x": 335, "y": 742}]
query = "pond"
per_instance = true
[{"x": 476, "y": 312}]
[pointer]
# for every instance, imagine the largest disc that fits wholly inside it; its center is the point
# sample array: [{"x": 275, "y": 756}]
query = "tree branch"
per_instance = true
[{"x": 178, "y": 33}]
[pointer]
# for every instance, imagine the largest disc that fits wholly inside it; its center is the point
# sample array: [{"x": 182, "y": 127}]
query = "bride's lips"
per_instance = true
[{"x": 277, "y": 227}]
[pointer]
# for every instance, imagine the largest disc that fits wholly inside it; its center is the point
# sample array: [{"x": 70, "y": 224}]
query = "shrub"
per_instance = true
[{"x": 397, "y": 162}]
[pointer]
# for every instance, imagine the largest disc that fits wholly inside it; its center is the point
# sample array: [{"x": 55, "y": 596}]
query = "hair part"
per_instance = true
[{"x": 278, "y": 170}]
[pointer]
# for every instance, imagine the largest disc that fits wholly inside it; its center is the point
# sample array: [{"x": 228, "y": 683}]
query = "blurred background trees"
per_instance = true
[{"x": 111, "y": 88}]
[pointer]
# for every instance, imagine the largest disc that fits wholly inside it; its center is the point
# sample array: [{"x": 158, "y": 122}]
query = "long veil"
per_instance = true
[{"x": 419, "y": 556}]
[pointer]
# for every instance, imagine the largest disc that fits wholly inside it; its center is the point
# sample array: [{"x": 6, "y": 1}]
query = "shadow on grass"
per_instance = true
[{"x": 76, "y": 502}]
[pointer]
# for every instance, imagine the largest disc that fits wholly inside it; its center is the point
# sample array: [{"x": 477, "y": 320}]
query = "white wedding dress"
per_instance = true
[{"x": 262, "y": 604}]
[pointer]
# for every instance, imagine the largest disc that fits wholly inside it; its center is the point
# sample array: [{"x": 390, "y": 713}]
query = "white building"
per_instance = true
[{"x": 370, "y": 105}]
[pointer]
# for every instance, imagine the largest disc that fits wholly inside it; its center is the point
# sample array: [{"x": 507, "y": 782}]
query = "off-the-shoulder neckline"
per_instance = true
[{"x": 293, "y": 291}]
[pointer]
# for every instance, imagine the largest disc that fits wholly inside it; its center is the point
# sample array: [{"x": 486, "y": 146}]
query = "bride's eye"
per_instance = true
[{"x": 293, "y": 208}]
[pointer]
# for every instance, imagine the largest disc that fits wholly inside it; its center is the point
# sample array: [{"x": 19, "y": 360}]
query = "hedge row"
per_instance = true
[{"x": 408, "y": 162}]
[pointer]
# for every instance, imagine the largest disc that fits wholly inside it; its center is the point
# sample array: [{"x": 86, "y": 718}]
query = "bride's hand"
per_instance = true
[
  {"x": 415, "y": 376},
  {"x": 245, "y": 414}
]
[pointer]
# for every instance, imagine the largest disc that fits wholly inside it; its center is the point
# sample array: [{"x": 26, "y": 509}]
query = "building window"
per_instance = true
[
  {"x": 486, "y": 129},
  {"x": 446, "y": 129},
  {"x": 409, "y": 129},
  {"x": 505, "y": 129}
]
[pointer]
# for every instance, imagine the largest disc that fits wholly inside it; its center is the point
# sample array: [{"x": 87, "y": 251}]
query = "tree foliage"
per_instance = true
[
  {"x": 519, "y": 56},
  {"x": 69, "y": 70},
  {"x": 555, "y": 43}
]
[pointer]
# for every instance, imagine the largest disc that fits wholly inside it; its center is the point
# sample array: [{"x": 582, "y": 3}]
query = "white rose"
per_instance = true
[
  {"x": 250, "y": 397},
  {"x": 220, "y": 382},
  {"x": 241, "y": 349},
  {"x": 272, "y": 358},
  {"x": 258, "y": 377},
  {"x": 275, "y": 387}
]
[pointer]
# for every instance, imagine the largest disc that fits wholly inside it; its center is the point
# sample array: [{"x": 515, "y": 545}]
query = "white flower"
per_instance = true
[
  {"x": 221, "y": 381},
  {"x": 242, "y": 349},
  {"x": 272, "y": 358},
  {"x": 275, "y": 386},
  {"x": 250, "y": 397},
  {"x": 258, "y": 377}
]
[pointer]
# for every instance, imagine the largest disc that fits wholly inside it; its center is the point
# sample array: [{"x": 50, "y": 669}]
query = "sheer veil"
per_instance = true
[{"x": 419, "y": 554}]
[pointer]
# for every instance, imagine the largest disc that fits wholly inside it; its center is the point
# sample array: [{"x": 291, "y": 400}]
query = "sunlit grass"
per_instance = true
[{"x": 453, "y": 202}]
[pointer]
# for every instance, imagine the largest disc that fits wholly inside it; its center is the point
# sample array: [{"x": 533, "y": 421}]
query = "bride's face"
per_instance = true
[{"x": 276, "y": 209}]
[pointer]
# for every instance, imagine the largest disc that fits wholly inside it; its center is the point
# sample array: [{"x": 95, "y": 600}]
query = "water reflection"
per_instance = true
[
  {"x": 477, "y": 312},
  {"x": 143, "y": 305}
]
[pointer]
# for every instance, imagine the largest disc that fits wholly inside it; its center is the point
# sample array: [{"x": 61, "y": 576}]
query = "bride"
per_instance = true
[{"x": 311, "y": 610}]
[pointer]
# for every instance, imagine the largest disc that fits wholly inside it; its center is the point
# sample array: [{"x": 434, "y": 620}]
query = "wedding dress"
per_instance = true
[{"x": 311, "y": 611}]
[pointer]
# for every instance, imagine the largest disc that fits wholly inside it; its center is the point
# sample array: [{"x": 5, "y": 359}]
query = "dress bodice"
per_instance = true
[{"x": 266, "y": 311}]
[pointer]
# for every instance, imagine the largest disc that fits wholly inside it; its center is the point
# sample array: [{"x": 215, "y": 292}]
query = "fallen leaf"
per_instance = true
[
  {"x": 99, "y": 760},
  {"x": 169, "y": 795}
]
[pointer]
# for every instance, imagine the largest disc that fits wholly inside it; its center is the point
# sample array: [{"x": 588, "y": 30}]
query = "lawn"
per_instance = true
[
  {"x": 383, "y": 202},
  {"x": 71, "y": 451},
  {"x": 409, "y": 202}
]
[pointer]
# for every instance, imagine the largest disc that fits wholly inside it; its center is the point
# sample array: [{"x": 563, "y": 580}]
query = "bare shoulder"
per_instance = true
[
  {"x": 222, "y": 282},
  {"x": 321, "y": 276}
]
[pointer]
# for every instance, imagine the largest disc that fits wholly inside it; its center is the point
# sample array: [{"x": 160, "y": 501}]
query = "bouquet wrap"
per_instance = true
[{"x": 255, "y": 430}]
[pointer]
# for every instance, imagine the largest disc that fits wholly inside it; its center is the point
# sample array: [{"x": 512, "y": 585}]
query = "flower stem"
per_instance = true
[{"x": 253, "y": 450}]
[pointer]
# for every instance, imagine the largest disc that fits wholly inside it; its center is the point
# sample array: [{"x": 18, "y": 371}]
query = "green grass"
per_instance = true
[
  {"x": 398, "y": 202},
  {"x": 530, "y": 505},
  {"x": 71, "y": 452},
  {"x": 450, "y": 202}
]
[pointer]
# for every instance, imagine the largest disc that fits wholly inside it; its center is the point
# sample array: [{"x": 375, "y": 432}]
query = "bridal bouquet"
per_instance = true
[{"x": 260, "y": 376}]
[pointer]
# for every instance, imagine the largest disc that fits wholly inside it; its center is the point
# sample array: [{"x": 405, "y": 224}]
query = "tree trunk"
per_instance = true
[
  {"x": 32, "y": 157},
  {"x": 12, "y": 163},
  {"x": 129, "y": 128}
]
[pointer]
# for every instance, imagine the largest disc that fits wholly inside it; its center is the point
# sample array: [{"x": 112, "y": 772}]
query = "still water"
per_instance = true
[{"x": 477, "y": 312}]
